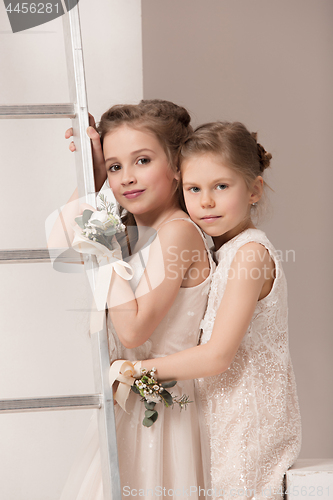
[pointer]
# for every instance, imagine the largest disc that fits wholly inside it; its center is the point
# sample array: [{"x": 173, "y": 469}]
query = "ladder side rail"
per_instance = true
[
  {"x": 86, "y": 187},
  {"x": 77, "y": 92}
]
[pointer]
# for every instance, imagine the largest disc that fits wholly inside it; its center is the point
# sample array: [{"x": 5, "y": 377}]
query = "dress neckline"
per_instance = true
[{"x": 226, "y": 245}]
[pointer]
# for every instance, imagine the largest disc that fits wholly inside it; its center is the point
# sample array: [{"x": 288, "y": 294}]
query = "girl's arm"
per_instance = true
[
  {"x": 136, "y": 316},
  {"x": 233, "y": 317}
]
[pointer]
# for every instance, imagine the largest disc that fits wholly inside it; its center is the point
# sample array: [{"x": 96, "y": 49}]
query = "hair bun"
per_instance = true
[
  {"x": 166, "y": 109},
  {"x": 183, "y": 116},
  {"x": 264, "y": 156}
]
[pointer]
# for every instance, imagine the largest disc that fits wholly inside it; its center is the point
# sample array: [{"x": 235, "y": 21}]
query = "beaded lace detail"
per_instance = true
[{"x": 251, "y": 410}]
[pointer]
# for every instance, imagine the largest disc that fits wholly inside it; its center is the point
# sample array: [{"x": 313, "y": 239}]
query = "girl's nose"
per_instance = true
[
  {"x": 207, "y": 201},
  {"x": 127, "y": 177}
]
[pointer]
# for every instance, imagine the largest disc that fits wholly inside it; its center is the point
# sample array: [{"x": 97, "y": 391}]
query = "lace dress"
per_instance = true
[
  {"x": 251, "y": 410},
  {"x": 166, "y": 459}
]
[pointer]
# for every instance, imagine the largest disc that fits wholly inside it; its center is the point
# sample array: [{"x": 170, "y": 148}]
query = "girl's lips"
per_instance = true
[
  {"x": 210, "y": 218},
  {"x": 133, "y": 194}
]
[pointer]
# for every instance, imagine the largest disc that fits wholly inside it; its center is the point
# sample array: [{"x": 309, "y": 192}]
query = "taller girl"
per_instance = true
[{"x": 160, "y": 310}]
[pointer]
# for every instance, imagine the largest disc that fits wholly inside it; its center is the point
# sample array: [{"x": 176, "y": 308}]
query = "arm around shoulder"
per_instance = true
[{"x": 244, "y": 285}]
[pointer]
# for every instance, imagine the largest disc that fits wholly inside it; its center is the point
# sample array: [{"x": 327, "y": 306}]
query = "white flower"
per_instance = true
[
  {"x": 156, "y": 388},
  {"x": 153, "y": 398},
  {"x": 100, "y": 215}
]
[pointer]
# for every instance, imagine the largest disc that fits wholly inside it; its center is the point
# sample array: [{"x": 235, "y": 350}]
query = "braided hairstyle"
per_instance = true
[
  {"x": 231, "y": 140},
  {"x": 168, "y": 122},
  {"x": 264, "y": 157}
]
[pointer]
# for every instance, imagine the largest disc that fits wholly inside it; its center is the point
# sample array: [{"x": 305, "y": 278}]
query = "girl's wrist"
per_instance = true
[{"x": 148, "y": 364}]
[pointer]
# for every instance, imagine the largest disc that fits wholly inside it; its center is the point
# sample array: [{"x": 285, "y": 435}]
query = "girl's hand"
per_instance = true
[{"x": 97, "y": 152}]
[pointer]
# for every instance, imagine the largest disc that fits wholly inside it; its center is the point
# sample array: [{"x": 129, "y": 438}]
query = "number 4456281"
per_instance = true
[{"x": 33, "y": 8}]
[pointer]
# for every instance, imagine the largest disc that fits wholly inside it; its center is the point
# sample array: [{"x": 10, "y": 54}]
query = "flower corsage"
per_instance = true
[
  {"x": 101, "y": 225},
  {"x": 153, "y": 392},
  {"x": 95, "y": 235}
]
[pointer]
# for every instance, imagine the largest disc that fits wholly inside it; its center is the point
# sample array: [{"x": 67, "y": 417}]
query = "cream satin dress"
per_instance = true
[{"x": 166, "y": 460}]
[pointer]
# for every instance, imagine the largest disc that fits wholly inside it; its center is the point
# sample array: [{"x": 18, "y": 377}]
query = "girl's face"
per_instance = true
[
  {"x": 217, "y": 198},
  {"x": 138, "y": 171}
]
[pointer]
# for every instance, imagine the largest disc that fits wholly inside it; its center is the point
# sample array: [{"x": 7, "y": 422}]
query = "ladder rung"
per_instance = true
[
  {"x": 79, "y": 402},
  {"x": 37, "y": 111},
  {"x": 40, "y": 255}
]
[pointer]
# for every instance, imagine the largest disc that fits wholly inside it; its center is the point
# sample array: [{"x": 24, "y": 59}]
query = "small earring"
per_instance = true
[{"x": 254, "y": 204}]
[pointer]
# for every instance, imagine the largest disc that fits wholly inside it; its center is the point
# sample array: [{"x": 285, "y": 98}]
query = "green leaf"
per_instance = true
[
  {"x": 101, "y": 239},
  {"x": 96, "y": 222},
  {"x": 150, "y": 413},
  {"x": 154, "y": 417},
  {"x": 167, "y": 398},
  {"x": 110, "y": 231},
  {"x": 147, "y": 422},
  {"x": 79, "y": 222},
  {"x": 135, "y": 389},
  {"x": 150, "y": 406},
  {"x": 86, "y": 216},
  {"x": 166, "y": 385}
]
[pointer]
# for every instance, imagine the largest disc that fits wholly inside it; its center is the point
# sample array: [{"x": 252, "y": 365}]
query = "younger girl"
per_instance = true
[
  {"x": 165, "y": 300},
  {"x": 246, "y": 380}
]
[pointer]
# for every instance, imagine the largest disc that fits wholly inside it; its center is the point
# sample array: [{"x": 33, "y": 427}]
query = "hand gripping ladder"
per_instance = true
[{"x": 103, "y": 399}]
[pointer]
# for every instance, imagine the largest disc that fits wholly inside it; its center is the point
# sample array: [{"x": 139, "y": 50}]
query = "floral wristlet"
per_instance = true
[
  {"x": 153, "y": 392},
  {"x": 131, "y": 375}
]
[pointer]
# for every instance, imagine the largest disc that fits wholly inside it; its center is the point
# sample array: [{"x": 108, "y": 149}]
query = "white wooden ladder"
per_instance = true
[{"x": 103, "y": 399}]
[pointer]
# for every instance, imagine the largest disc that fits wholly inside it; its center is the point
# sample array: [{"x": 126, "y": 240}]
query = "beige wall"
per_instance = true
[
  {"x": 44, "y": 317},
  {"x": 270, "y": 65}
]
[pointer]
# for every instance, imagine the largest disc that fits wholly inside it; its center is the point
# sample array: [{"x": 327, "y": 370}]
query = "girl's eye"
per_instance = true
[
  {"x": 114, "y": 168},
  {"x": 221, "y": 187},
  {"x": 194, "y": 190},
  {"x": 143, "y": 161}
]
